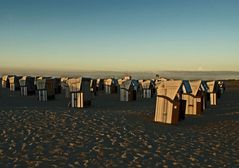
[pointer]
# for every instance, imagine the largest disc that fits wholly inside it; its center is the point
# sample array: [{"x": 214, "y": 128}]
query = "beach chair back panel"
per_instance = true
[
  {"x": 5, "y": 81},
  {"x": 5, "y": 77},
  {"x": 165, "y": 112},
  {"x": 192, "y": 104},
  {"x": 127, "y": 84},
  {"x": 161, "y": 108},
  {"x": 41, "y": 84},
  {"x": 12, "y": 83},
  {"x": 22, "y": 82},
  {"x": 167, "y": 108},
  {"x": 164, "y": 108}
]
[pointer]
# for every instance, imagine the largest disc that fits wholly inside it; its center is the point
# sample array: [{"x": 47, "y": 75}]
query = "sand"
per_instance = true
[{"x": 111, "y": 133}]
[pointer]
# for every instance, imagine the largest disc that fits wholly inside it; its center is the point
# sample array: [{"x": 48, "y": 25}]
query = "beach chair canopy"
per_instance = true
[
  {"x": 211, "y": 86},
  {"x": 186, "y": 88},
  {"x": 26, "y": 80},
  {"x": 198, "y": 85},
  {"x": 120, "y": 81},
  {"x": 5, "y": 77},
  {"x": 126, "y": 84},
  {"x": 110, "y": 81},
  {"x": 64, "y": 82},
  {"x": 146, "y": 84},
  {"x": 22, "y": 81},
  {"x": 76, "y": 84},
  {"x": 64, "y": 79},
  {"x": 157, "y": 83},
  {"x": 13, "y": 79},
  {"x": 169, "y": 88},
  {"x": 195, "y": 86}
]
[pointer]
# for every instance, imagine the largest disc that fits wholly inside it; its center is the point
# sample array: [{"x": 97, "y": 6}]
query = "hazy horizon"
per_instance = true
[{"x": 187, "y": 75}]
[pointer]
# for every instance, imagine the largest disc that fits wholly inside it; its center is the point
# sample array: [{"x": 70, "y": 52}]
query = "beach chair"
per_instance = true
[
  {"x": 45, "y": 89},
  {"x": 80, "y": 92},
  {"x": 195, "y": 101},
  {"x": 27, "y": 85},
  {"x": 146, "y": 89},
  {"x": 127, "y": 91},
  {"x": 111, "y": 86},
  {"x": 213, "y": 91},
  {"x": 14, "y": 83},
  {"x": 5, "y": 81},
  {"x": 170, "y": 108}
]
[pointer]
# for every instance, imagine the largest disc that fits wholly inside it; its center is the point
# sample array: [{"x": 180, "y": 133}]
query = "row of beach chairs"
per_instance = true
[{"x": 174, "y": 98}]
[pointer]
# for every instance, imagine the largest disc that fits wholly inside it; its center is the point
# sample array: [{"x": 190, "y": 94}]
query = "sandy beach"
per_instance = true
[
  {"x": 168, "y": 61},
  {"x": 111, "y": 133}
]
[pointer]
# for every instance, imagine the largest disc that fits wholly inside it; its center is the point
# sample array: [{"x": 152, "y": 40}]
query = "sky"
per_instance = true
[{"x": 120, "y": 35}]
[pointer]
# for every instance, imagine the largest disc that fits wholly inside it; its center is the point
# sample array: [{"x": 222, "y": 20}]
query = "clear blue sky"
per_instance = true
[{"x": 145, "y": 35}]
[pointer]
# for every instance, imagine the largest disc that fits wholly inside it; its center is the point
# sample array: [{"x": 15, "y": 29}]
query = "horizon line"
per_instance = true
[{"x": 95, "y": 70}]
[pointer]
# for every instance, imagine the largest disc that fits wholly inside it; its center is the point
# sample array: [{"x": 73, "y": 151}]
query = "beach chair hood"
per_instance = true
[{"x": 169, "y": 88}]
